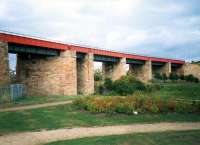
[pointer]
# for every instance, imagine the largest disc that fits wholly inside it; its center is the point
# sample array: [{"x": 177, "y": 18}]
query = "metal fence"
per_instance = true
[{"x": 11, "y": 92}]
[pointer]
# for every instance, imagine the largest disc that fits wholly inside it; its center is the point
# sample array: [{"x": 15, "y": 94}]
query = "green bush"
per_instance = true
[
  {"x": 164, "y": 77},
  {"x": 191, "y": 78},
  {"x": 98, "y": 76},
  {"x": 127, "y": 85},
  {"x": 158, "y": 76},
  {"x": 173, "y": 76},
  {"x": 154, "y": 109},
  {"x": 108, "y": 84},
  {"x": 149, "y": 88},
  {"x": 196, "y": 80},
  {"x": 182, "y": 77}
]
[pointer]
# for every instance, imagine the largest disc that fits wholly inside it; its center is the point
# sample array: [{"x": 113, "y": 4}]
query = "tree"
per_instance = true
[
  {"x": 98, "y": 76},
  {"x": 12, "y": 74}
]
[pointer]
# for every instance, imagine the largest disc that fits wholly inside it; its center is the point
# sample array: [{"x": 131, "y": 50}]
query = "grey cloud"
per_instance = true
[{"x": 159, "y": 28}]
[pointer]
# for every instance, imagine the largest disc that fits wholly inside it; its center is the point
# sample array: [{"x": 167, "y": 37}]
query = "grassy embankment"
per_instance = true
[{"x": 179, "y": 91}]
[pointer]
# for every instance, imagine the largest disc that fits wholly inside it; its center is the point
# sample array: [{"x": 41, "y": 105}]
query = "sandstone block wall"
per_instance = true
[
  {"x": 85, "y": 75},
  {"x": 142, "y": 72},
  {"x": 163, "y": 69},
  {"x": 189, "y": 68},
  {"x": 44, "y": 75},
  {"x": 4, "y": 64},
  {"x": 114, "y": 70}
]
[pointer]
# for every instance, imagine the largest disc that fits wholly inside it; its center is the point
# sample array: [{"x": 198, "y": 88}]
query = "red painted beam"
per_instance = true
[
  {"x": 32, "y": 41},
  {"x": 12, "y": 38}
]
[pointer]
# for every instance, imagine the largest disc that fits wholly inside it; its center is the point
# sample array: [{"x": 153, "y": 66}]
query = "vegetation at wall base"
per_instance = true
[
  {"x": 124, "y": 86},
  {"x": 139, "y": 103},
  {"x": 128, "y": 84},
  {"x": 176, "y": 77}
]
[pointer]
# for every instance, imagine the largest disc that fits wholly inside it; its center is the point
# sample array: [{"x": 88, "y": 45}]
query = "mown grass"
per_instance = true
[
  {"x": 68, "y": 116},
  {"x": 169, "y": 90},
  {"x": 179, "y": 91},
  {"x": 165, "y": 138},
  {"x": 37, "y": 100}
]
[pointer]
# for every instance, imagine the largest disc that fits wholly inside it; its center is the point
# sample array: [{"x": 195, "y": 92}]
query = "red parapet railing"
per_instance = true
[{"x": 34, "y": 41}]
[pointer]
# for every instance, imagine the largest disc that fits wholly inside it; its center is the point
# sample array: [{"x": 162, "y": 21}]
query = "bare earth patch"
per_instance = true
[
  {"x": 37, "y": 138},
  {"x": 28, "y": 107}
]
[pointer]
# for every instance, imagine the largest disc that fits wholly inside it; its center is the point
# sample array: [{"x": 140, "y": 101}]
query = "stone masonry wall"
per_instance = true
[
  {"x": 4, "y": 64},
  {"x": 142, "y": 72},
  {"x": 164, "y": 69},
  {"x": 189, "y": 68},
  {"x": 85, "y": 75},
  {"x": 48, "y": 75},
  {"x": 114, "y": 70}
]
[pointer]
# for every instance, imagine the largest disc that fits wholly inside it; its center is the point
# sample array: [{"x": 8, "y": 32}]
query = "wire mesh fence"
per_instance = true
[{"x": 11, "y": 92}]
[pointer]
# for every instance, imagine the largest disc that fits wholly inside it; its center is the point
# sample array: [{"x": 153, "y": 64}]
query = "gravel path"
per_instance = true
[
  {"x": 27, "y": 107},
  {"x": 38, "y": 138}
]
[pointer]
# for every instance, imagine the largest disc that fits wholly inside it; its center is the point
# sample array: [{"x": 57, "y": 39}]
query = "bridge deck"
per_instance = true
[{"x": 24, "y": 40}]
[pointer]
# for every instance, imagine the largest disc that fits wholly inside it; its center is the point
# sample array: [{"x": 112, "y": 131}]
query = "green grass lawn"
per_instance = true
[
  {"x": 37, "y": 100},
  {"x": 68, "y": 116},
  {"x": 179, "y": 91},
  {"x": 169, "y": 90},
  {"x": 164, "y": 138}
]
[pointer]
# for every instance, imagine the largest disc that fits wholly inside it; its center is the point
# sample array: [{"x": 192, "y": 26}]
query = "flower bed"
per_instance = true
[{"x": 135, "y": 105}]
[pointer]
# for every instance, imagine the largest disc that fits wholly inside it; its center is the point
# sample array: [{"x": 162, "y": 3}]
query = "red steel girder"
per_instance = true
[{"x": 18, "y": 39}]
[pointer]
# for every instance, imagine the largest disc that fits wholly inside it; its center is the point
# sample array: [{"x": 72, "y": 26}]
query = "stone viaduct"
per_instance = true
[{"x": 54, "y": 68}]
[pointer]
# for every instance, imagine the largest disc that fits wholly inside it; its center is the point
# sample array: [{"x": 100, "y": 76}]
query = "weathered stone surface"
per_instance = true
[
  {"x": 85, "y": 75},
  {"x": 142, "y": 72},
  {"x": 193, "y": 69},
  {"x": 4, "y": 64},
  {"x": 114, "y": 70},
  {"x": 44, "y": 75},
  {"x": 162, "y": 69}
]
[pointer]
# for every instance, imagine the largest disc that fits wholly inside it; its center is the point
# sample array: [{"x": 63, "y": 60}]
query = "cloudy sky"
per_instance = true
[{"x": 164, "y": 28}]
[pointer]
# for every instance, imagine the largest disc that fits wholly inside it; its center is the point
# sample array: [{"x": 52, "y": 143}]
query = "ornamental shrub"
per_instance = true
[
  {"x": 154, "y": 109},
  {"x": 140, "y": 103},
  {"x": 171, "y": 104}
]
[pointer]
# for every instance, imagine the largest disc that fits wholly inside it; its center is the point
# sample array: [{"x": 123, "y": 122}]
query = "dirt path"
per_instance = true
[
  {"x": 38, "y": 138},
  {"x": 27, "y": 107}
]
